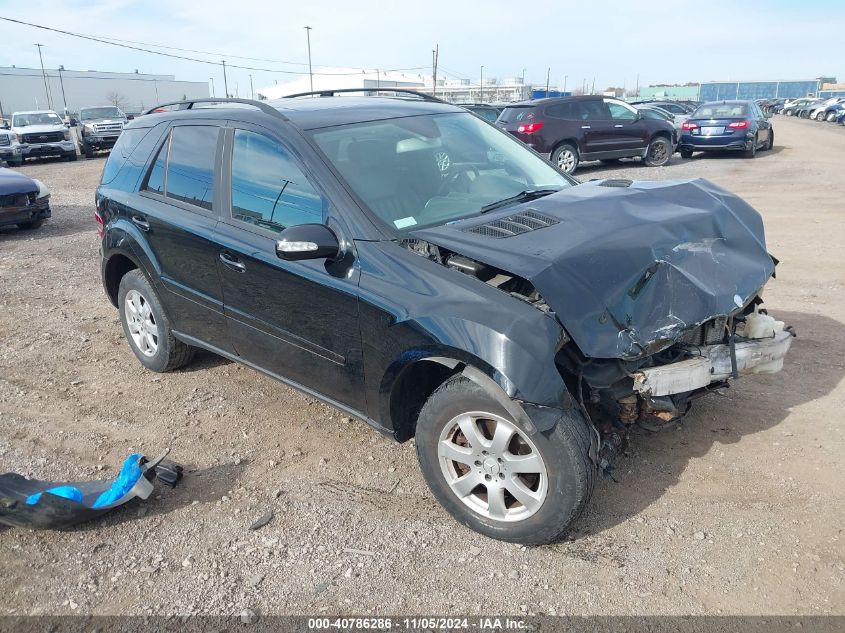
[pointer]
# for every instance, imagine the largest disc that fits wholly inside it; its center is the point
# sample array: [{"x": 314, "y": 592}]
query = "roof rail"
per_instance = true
[
  {"x": 332, "y": 93},
  {"x": 189, "y": 105}
]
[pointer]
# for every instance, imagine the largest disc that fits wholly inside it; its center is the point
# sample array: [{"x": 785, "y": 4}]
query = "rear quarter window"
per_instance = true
[
  {"x": 515, "y": 115},
  {"x": 123, "y": 149}
]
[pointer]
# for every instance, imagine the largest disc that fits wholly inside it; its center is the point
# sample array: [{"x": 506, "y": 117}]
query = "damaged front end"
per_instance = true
[{"x": 657, "y": 286}]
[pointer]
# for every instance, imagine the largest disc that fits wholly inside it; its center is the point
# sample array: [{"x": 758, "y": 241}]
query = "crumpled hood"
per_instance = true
[
  {"x": 12, "y": 182},
  {"x": 628, "y": 269}
]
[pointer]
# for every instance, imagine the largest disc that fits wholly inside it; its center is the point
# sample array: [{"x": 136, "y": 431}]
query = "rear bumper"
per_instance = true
[
  {"x": 701, "y": 143},
  {"x": 17, "y": 215},
  {"x": 755, "y": 356}
]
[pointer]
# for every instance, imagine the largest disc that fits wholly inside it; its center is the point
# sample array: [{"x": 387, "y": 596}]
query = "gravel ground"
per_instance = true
[{"x": 739, "y": 510}]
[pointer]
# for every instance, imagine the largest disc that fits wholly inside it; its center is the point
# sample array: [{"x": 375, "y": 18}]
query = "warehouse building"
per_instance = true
[
  {"x": 69, "y": 90},
  {"x": 717, "y": 90}
]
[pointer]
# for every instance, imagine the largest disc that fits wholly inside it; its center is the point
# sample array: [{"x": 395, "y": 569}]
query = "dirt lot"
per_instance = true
[{"x": 737, "y": 511}]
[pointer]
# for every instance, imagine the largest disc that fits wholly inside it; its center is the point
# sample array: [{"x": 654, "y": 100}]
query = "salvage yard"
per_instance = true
[{"x": 738, "y": 510}]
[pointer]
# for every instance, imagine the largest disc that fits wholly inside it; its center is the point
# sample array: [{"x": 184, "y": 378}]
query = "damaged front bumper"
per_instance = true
[{"x": 715, "y": 363}]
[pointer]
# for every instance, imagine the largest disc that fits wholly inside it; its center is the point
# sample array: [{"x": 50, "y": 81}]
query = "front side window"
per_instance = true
[
  {"x": 620, "y": 112},
  {"x": 268, "y": 188},
  {"x": 428, "y": 170}
]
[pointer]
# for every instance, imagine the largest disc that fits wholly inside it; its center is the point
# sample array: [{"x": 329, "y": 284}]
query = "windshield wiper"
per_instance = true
[{"x": 522, "y": 196}]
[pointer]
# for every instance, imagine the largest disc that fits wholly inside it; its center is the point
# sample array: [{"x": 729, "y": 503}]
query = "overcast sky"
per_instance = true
[{"x": 664, "y": 42}]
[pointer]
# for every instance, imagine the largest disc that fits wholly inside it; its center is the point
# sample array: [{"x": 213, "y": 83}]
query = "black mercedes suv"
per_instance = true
[
  {"x": 405, "y": 261},
  {"x": 574, "y": 129}
]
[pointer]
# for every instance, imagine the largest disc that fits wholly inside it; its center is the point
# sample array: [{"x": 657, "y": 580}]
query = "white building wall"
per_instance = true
[{"x": 23, "y": 89}]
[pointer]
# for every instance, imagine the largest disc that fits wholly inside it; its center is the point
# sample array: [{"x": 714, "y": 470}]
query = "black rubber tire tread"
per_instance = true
[
  {"x": 565, "y": 449},
  {"x": 770, "y": 143},
  {"x": 686, "y": 153},
  {"x": 30, "y": 226},
  {"x": 561, "y": 146},
  {"x": 648, "y": 162},
  {"x": 172, "y": 353}
]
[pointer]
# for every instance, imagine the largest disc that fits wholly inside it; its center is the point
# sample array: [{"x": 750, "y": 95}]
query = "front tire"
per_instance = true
[
  {"x": 147, "y": 327},
  {"x": 71, "y": 157},
  {"x": 659, "y": 152},
  {"x": 31, "y": 226},
  {"x": 565, "y": 158},
  {"x": 497, "y": 478},
  {"x": 831, "y": 116}
]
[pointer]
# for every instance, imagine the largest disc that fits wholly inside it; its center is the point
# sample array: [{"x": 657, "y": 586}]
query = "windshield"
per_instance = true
[
  {"x": 36, "y": 118},
  {"x": 721, "y": 111},
  {"x": 428, "y": 170},
  {"x": 655, "y": 113},
  {"x": 88, "y": 114}
]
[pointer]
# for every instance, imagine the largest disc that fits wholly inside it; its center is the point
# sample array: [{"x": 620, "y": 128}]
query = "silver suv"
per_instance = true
[
  {"x": 10, "y": 148},
  {"x": 43, "y": 133},
  {"x": 99, "y": 128}
]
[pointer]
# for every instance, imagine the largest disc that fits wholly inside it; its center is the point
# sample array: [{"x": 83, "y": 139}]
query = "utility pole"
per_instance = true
[
  {"x": 310, "y": 73},
  {"x": 62, "y": 82},
  {"x": 435, "y": 58},
  {"x": 212, "y": 86},
  {"x": 565, "y": 77},
  {"x": 251, "y": 89},
  {"x": 593, "y": 89},
  {"x": 44, "y": 75},
  {"x": 548, "y": 73},
  {"x": 481, "y": 87},
  {"x": 638, "y": 85},
  {"x": 225, "y": 81}
]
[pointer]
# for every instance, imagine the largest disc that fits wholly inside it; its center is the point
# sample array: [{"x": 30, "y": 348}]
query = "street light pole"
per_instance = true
[
  {"x": 44, "y": 75},
  {"x": 62, "y": 82},
  {"x": 548, "y": 73},
  {"x": 251, "y": 89},
  {"x": 212, "y": 87},
  {"x": 481, "y": 87},
  {"x": 310, "y": 72},
  {"x": 225, "y": 81}
]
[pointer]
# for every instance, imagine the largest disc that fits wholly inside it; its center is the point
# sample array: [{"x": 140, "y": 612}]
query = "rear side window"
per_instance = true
[
  {"x": 559, "y": 111},
  {"x": 268, "y": 188},
  {"x": 184, "y": 167},
  {"x": 190, "y": 167}
]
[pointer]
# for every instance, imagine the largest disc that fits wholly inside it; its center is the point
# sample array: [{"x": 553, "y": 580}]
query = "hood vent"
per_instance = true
[
  {"x": 517, "y": 224},
  {"x": 616, "y": 182}
]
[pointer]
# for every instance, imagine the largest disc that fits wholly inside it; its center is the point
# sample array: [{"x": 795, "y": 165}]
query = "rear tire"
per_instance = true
[
  {"x": 565, "y": 158},
  {"x": 551, "y": 471},
  {"x": 770, "y": 143},
  {"x": 751, "y": 153},
  {"x": 89, "y": 153},
  {"x": 147, "y": 327},
  {"x": 686, "y": 153},
  {"x": 659, "y": 152}
]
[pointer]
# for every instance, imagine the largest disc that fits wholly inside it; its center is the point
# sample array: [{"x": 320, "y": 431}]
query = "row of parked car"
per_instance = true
[
  {"x": 571, "y": 130},
  {"x": 831, "y": 110},
  {"x": 42, "y": 133}
]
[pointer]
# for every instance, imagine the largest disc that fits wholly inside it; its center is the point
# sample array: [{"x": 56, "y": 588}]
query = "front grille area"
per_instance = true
[
  {"x": 710, "y": 333},
  {"x": 514, "y": 225},
  {"x": 108, "y": 127},
  {"x": 18, "y": 200},
  {"x": 5, "y": 140},
  {"x": 43, "y": 137}
]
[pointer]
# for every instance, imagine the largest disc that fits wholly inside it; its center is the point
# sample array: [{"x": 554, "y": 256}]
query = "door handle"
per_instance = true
[
  {"x": 618, "y": 125},
  {"x": 140, "y": 222},
  {"x": 232, "y": 262},
  {"x": 585, "y": 127}
]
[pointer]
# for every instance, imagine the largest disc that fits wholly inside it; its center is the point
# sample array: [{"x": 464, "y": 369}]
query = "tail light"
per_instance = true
[
  {"x": 530, "y": 128},
  {"x": 738, "y": 125},
  {"x": 689, "y": 125},
  {"x": 100, "y": 224}
]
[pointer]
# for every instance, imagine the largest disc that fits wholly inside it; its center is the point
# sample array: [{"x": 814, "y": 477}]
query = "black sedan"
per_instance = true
[
  {"x": 727, "y": 126},
  {"x": 24, "y": 201}
]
